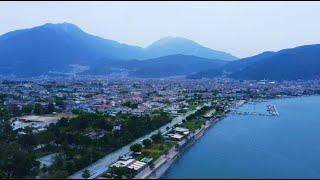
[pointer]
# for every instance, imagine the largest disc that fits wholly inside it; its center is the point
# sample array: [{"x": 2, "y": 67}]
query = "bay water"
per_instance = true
[{"x": 252, "y": 146}]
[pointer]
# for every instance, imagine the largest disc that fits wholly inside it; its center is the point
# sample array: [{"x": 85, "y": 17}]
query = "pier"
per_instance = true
[{"x": 271, "y": 111}]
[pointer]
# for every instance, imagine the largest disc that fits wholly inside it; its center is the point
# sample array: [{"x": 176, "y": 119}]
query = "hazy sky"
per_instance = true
[{"x": 240, "y": 28}]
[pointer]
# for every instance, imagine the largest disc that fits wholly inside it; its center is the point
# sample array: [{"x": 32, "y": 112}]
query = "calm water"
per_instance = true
[{"x": 287, "y": 146}]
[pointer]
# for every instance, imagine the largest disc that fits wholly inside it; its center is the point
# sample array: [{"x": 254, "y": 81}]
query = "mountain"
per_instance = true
[
  {"x": 232, "y": 67},
  {"x": 60, "y": 47},
  {"x": 302, "y": 62},
  {"x": 178, "y": 45},
  {"x": 165, "y": 66},
  {"x": 54, "y": 47}
]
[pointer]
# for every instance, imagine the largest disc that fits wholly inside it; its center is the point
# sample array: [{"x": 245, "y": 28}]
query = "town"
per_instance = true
[{"x": 114, "y": 127}]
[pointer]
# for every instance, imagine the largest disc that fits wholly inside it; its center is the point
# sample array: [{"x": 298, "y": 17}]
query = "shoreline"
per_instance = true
[{"x": 162, "y": 168}]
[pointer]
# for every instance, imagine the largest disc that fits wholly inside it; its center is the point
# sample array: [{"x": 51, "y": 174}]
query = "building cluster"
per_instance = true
[{"x": 140, "y": 96}]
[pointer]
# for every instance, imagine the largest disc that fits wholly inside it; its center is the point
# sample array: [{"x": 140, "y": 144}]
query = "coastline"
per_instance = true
[
  {"x": 165, "y": 161},
  {"x": 162, "y": 166},
  {"x": 157, "y": 173}
]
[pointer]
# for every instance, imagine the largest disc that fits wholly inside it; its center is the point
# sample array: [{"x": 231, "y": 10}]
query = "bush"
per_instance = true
[
  {"x": 157, "y": 138},
  {"x": 136, "y": 147},
  {"x": 146, "y": 143},
  {"x": 86, "y": 174}
]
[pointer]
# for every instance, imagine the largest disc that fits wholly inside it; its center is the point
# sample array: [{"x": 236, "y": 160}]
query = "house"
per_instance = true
[
  {"x": 131, "y": 164},
  {"x": 181, "y": 130},
  {"x": 176, "y": 136}
]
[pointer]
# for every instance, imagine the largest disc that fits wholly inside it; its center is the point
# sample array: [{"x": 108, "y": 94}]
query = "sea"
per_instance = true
[{"x": 257, "y": 146}]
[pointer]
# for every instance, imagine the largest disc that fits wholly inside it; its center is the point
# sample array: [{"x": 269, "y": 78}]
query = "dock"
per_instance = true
[{"x": 271, "y": 111}]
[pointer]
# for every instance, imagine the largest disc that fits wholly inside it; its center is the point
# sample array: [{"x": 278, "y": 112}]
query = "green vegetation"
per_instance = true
[
  {"x": 193, "y": 125},
  {"x": 157, "y": 149},
  {"x": 38, "y": 109},
  {"x": 157, "y": 138},
  {"x": 59, "y": 101},
  {"x": 195, "y": 121},
  {"x": 89, "y": 136},
  {"x": 198, "y": 113},
  {"x": 17, "y": 159},
  {"x": 136, "y": 148},
  {"x": 86, "y": 174},
  {"x": 146, "y": 143},
  {"x": 130, "y": 104},
  {"x": 78, "y": 141},
  {"x": 219, "y": 112},
  {"x": 122, "y": 172}
]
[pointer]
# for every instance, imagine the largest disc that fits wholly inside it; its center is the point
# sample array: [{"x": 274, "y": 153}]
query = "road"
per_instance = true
[{"x": 102, "y": 165}]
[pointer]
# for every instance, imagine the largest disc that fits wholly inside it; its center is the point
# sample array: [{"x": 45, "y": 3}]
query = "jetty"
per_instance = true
[{"x": 271, "y": 111}]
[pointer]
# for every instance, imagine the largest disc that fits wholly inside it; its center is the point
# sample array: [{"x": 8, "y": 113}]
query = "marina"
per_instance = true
[{"x": 271, "y": 111}]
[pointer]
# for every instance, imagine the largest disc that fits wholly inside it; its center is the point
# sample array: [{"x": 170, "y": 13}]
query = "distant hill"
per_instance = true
[
  {"x": 57, "y": 47},
  {"x": 289, "y": 64},
  {"x": 178, "y": 45},
  {"x": 232, "y": 67},
  {"x": 172, "y": 65},
  {"x": 175, "y": 65},
  {"x": 302, "y": 62}
]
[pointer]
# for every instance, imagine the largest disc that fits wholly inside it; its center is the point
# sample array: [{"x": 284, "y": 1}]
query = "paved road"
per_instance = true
[{"x": 102, "y": 165}]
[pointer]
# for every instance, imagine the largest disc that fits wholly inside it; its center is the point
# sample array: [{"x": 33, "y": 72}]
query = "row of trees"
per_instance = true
[
  {"x": 156, "y": 138},
  {"x": 38, "y": 109},
  {"x": 82, "y": 140},
  {"x": 78, "y": 141},
  {"x": 198, "y": 113},
  {"x": 16, "y": 161}
]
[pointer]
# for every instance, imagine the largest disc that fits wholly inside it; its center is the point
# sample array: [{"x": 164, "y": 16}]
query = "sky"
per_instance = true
[{"x": 240, "y": 28}]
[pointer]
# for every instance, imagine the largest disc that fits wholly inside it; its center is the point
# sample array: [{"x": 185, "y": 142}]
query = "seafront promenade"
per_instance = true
[{"x": 165, "y": 161}]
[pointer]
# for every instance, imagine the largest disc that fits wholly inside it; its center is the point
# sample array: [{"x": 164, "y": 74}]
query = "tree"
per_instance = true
[
  {"x": 2, "y": 175},
  {"x": 50, "y": 108},
  {"x": 16, "y": 163},
  {"x": 86, "y": 174},
  {"x": 28, "y": 140},
  {"x": 38, "y": 108},
  {"x": 146, "y": 143},
  {"x": 151, "y": 165},
  {"x": 60, "y": 174},
  {"x": 136, "y": 147},
  {"x": 59, "y": 101},
  {"x": 157, "y": 138},
  {"x": 122, "y": 172},
  {"x": 27, "y": 109}
]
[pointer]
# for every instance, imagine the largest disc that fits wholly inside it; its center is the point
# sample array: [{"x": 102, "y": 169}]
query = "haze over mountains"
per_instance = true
[
  {"x": 178, "y": 45},
  {"x": 54, "y": 47},
  {"x": 301, "y": 62},
  {"x": 64, "y": 47}
]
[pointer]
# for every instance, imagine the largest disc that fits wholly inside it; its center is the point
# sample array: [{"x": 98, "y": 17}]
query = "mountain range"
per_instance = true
[
  {"x": 55, "y": 47},
  {"x": 62, "y": 48},
  {"x": 301, "y": 62}
]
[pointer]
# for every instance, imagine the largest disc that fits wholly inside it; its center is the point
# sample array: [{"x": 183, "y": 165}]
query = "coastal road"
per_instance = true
[{"x": 102, "y": 165}]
